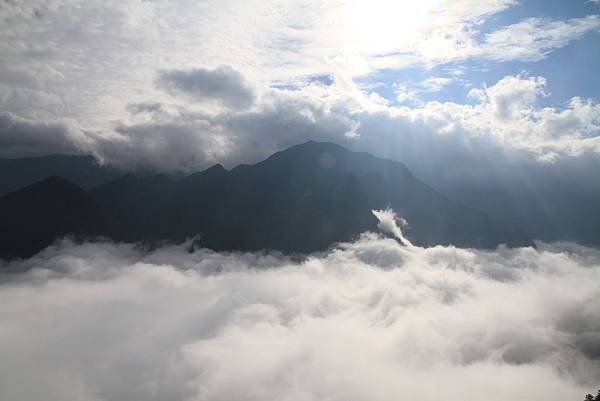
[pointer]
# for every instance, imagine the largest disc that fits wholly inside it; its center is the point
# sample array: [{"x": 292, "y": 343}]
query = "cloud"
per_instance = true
[
  {"x": 21, "y": 137},
  {"x": 512, "y": 97},
  {"x": 534, "y": 38},
  {"x": 367, "y": 320},
  {"x": 434, "y": 84},
  {"x": 409, "y": 94},
  {"x": 507, "y": 117},
  {"x": 390, "y": 222},
  {"x": 182, "y": 139},
  {"x": 27, "y": 102},
  {"x": 404, "y": 94},
  {"x": 223, "y": 84},
  {"x": 139, "y": 108},
  {"x": 168, "y": 146},
  {"x": 529, "y": 40}
]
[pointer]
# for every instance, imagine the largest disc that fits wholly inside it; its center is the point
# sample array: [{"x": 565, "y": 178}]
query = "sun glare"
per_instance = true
[{"x": 380, "y": 27}]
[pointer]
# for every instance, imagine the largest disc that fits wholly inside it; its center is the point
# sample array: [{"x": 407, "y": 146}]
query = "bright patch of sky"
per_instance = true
[{"x": 570, "y": 70}]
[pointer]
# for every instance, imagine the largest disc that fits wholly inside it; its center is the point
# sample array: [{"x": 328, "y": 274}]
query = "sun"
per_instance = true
[
  {"x": 373, "y": 34},
  {"x": 381, "y": 27}
]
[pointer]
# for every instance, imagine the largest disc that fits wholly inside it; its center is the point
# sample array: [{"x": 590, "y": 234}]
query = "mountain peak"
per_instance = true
[
  {"x": 54, "y": 183},
  {"x": 215, "y": 168},
  {"x": 316, "y": 145}
]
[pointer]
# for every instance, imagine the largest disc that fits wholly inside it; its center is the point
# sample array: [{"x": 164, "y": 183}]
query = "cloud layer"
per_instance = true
[{"x": 368, "y": 320}]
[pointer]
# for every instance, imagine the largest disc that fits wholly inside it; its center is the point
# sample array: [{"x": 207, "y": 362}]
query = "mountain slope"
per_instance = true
[
  {"x": 35, "y": 216},
  {"x": 302, "y": 199},
  {"x": 433, "y": 218}
]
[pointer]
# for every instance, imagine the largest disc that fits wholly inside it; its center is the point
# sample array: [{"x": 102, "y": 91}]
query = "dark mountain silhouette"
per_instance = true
[
  {"x": 81, "y": 170},
  {"x": 35, "y": 216},
  {"x": 302, "y": 199}
]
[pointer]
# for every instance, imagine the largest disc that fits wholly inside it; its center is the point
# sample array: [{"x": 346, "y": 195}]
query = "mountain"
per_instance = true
[
  {"x": 558, "y": 203},
  {"x": 555, "y": 199},
  {"x": 302, "y": 199},
  {"x": 35, "y": 216},
  {"x": 81, "y": 170}
]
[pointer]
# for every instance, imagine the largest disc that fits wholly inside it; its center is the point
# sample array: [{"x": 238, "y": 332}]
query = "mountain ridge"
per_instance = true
[{"x": 302, "y": 199}]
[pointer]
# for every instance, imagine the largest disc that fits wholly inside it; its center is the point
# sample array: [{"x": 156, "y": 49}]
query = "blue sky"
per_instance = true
[{"x": 571, "y": 70}]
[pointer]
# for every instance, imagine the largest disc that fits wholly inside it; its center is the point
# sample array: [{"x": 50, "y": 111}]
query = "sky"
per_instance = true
[{"x": 178, "y": 86}]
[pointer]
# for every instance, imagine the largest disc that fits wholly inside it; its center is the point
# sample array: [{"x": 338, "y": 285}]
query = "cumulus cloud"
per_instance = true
[
  {"x": 367, "y": 320},
  {"x": 182, "y": 139},
  {"x": 512, "y": 97},
  {"x": 223, "y": 84},
  {"x": 404, "y": 93},
  {"x": 508, "y": 116}
]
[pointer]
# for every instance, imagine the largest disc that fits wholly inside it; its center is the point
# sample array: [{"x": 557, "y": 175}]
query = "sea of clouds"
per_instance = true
[{"x": 367, "y": 320}]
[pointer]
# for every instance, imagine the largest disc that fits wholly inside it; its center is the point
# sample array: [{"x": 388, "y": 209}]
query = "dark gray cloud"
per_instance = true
[
  {"x": 223, "y": 84},
  {"x": 188, "y": 141},
  {"x": 113, "y": 321},
  {"x": 149, "y": 107},
  {"x": 21, "y": 137},
  {"x": 170, "y": 146}
]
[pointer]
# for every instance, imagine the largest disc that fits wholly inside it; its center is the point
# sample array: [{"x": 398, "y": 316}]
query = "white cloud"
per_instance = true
[
  {"x": 30, "y": 103},
  {"x": 404, "y": 94},
  {"x": 409, "y": 94},
  {"x": 390, "y": 223},
  {"x": 434, "y": 84},
  {"x": 534, "y": 38},
  {"x": 513, "y": 97},
  {"x": 509, "y": 117},
  {"x": 368, "y": 320}
]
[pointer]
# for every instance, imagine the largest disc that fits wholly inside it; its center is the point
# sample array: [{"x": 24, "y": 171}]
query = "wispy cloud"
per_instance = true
[
  {"x": 434, "y": 84},
  {"x": 534, "y": 38}
]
